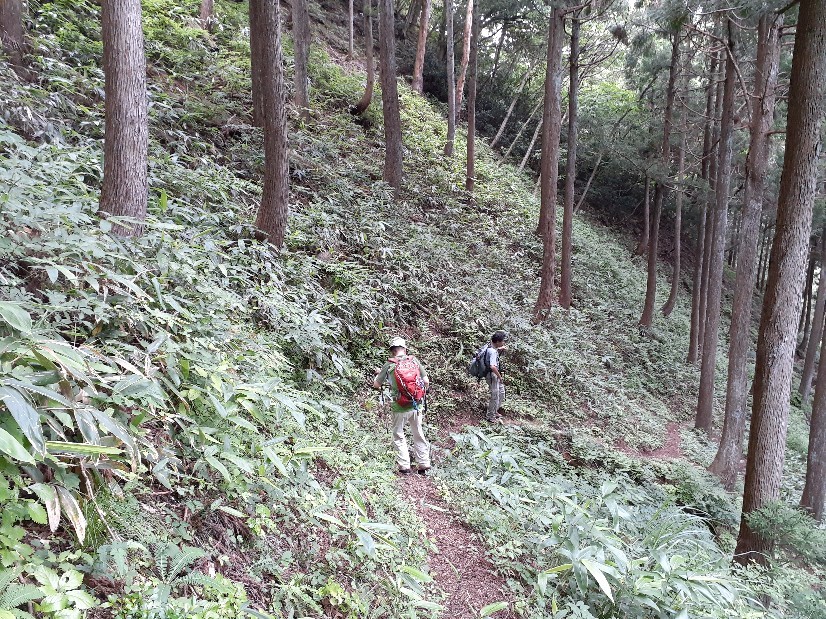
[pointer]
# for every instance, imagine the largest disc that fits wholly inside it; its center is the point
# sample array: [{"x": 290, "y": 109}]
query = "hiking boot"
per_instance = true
[
  {"x": 404, "y": 471},
  {"x": 422, "y": 470},
  {"x": 496, "y": 419}
]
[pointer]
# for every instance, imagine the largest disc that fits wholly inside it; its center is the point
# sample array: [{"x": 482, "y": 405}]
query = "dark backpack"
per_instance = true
[
  {"x": 409, "y": 380},
  {"x": 480, "y": 366}
]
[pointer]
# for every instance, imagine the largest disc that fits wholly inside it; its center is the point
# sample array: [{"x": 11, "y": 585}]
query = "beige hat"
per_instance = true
[{"x": 397, "y": 341}]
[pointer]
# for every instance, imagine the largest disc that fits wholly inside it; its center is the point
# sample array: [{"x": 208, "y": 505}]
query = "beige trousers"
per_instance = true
[
  {"x": 497, "y": 396},
  {"x": 421, "y": 448}
]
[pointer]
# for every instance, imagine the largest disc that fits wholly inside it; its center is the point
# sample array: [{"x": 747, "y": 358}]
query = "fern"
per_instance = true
[{"x": 13, "y": 594}]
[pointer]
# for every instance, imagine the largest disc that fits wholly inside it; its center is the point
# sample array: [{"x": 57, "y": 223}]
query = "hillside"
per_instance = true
[{"x": 204, "y": 439}]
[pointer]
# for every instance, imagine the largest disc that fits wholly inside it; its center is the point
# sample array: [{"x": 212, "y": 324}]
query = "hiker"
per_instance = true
[
  {"x": 493, "y": 377},
  {"x": 408, "y": 384}
]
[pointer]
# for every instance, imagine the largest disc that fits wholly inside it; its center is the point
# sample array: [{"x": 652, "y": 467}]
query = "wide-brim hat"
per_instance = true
[{"x": 397, "y": 342}]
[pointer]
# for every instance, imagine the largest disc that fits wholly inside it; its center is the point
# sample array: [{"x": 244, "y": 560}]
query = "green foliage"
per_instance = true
[{"x": 14, "y": 594}]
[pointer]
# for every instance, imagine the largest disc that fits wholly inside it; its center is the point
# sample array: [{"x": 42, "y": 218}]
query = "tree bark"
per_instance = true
[
  {"x": 512, "y": 106},
  {"x": 301, "y": 44},
  {"x": 727, "y": 460},
  {"x": 642, "y": 245},
  {"x": 699, "y": 251},
  {"x": 705, "y": 400},
  {"x": 471, "y": 103},
  {"x": 460, "y": 84},
  {"x": 418, "y": 65},
  {"x": 256, "y": 68},
  {"x": 814, "y": 490},
  {"x": 781, "y": 303},
  {"x": 588, "y": 182},
  {"x": 806, "y": 313},
  {"x": 528, "y": 152},
  {"x": 496, "y": 55},
  {"x": 390, "y": 97},
  {"x": 126, "y": 137},
  {"x": 816, "y": 330},
  {"x": 678, "y": 227},
  {"x": 451, "y": 80},
  {"x": 11, "y": 31},
  {"x": 275, "y": 195},
  {"x": 570, "y": 168},
  {"x": 367, "y": 97},
  {"x": 661, "y": 188},
  {"x": 350, "y": 19},
  {"x": 206, "y": 14},
  {"x": 549, "y": 167},
  {"x": 522, "y": 129}
]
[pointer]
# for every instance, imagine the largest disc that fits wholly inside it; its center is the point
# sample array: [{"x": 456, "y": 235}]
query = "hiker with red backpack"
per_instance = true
[{"x": 408, "y": 385}]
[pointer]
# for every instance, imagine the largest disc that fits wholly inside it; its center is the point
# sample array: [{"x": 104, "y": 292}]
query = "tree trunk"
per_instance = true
[
  {"x": 11, "y": 31},
  {"x": 528, "y": 152},
  {"x": 727, "y": 460},
  {"x": 390, "y": 97},
  {"x": 301, "y": 44},
  {"x": 272, "y": 216},
  {"x": 471, "y": 103},
  {"x": 511, "y": 106},
  {"x": 367, "y": 97},
  {"x": 522, "y": 129},
  {"x": 496, "y": 55},
  {"x": 814, "y": 491},
  {"x": 570, "y": 168},
  {"x": 350, "y": 19},
  {"x": 806, "y": 313},
  {"x": 207, "y": 8},
  {"x": 412, "y": 17},
  {"x": 816, "y": 330},
  {"x": 451, "y": 80},
  {"x": 642, "y": 245},
  {"x": 705, "y": 401},
  {"x": 661, "y": 189},
  {"x": 549, "y": 167},
  {"x": 678, "y": 228},
  {"x": 256, "y": 68},
  {"x": 460, "y": 84},
  {"x": 781, "y": 303},
  {"x": 589, "y": 181},
  {"x": 699, "y": 251},
  {"x": 418, "y": 65},
  {"x": 126, "y": 137}
]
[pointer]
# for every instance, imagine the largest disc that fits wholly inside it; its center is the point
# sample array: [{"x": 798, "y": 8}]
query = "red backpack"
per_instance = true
[{"x": 409, "y": 379}]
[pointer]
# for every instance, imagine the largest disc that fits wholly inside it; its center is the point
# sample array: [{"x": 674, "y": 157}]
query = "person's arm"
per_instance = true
[
  {"x": 494, "y": 363},
  {"x": 425, "y": 379},
  {"x": 380, "y": 378}
]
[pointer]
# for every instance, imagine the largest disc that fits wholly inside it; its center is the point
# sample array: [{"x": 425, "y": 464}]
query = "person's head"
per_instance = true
[
  {"x": 498, "y": 339},
  {"x": 398, "y": 346}
]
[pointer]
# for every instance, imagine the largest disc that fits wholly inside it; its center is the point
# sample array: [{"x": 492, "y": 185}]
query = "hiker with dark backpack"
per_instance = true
[
  {"x": 408, "y": 385},
  {"x": 486, "y": 364}
]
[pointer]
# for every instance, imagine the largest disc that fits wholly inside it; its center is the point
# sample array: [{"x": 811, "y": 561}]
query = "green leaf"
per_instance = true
[
  {"x": 12, "y": 447},
  {"x": 219, "y": 466},
  {"x": 488, "y": 610},
  {"x": 81, "y": 449},
  {"x": 16, "y": 317},
  {"x": 48, "y": 495},
  {"x": 596, "y": 572},
  {"x": 26, "y": 417},
  {"x": 120, "y": 431},
  {"x": 417, "y": 574},
  {"x": 73, "y": 512},
  {"x": 37, "y": 512}
]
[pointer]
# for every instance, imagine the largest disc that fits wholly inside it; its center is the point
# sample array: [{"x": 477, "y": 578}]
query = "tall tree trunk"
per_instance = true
[
  {"x": 764, "y": 273},
  {"x": 642, "y": 245},
  {"x": 256, "y": 68},
  {"x": 661, "y": 189},
  {"x": 528, "y": 152},
  {"x": 301, "y": 44},
  {"x": 549, "y": 167},
  {"x": 471, "y": 103},
  {"x": 496, "y": 55},
  {"x": 514, "y": 101},
  {"x": 588, "y": 182},
  {"x": 678, "y": 227},
  {"x": 206, "y": 14},
  {"x": 781, "y": 303},
  {"x": 570, "y": 168},
  {"x": 272, "y": 215},
  {"x": 460, "y": 84},
  {"x": 418, "y": 65},
  {"x": 412, "y": 17},
  {"x": 451, "y": 81},
  {"x": 727, "y": 460},
  {"x": 367, "y": 97},
  {"x": 350, "y": 19},
  {"x": 763, "y": 254},
  {"x": 817, "y": 326},
  {"x": 814, "y": 490},
  {"x": 390, "y": 97},
  {"x": 699, "y": 251},
  {"x": 705, "y": 401},
  {"x": 126, "y": 137},
  {"x": 522, "y": 128},
  {"x": 11, "y": 31},
  {"x": 806, "y": 313}
]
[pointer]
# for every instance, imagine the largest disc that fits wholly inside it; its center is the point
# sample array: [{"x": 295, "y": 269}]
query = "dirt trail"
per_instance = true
[{"x": 459, "y": 565}]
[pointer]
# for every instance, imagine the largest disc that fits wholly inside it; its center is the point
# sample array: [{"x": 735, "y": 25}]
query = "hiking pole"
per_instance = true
[{"x": 384, "y": 412}]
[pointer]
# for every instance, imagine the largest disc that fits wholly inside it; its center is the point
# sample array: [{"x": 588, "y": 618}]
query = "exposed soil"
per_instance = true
[
  {"x": 670, "y": 449},
  {"x": 459, "y": 565}
]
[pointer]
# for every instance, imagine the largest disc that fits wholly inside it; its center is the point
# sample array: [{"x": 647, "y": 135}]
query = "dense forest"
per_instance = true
[{"x": 217, "y": 213}]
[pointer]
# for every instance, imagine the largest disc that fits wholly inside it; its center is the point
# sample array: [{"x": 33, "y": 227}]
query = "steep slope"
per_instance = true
[{"x": 218, "y": 390}]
